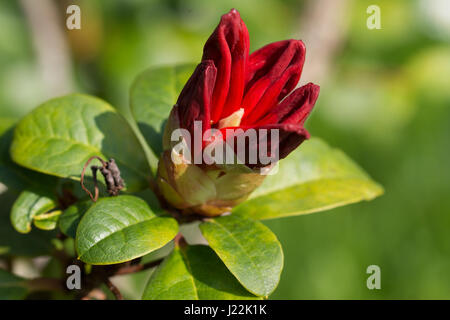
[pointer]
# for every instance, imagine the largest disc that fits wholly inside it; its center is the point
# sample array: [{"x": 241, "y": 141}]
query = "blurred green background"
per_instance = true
[{"x": 385, "y": 97}]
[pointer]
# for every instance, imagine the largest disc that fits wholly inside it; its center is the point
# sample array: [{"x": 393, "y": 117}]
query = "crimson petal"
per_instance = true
[
  {"x": 295, "y": 108},
  {"x": 228, "y": 47},
  {"x": 290, "y": 136},
  {"x": 194, "y": 102},
  {"x": 273, "y": 72}
]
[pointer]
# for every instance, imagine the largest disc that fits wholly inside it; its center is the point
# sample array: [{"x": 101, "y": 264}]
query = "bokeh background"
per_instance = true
[{"x": 385, "y": 98}]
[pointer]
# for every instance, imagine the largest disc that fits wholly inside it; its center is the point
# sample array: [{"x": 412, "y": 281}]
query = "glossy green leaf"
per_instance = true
[
  {"x": 313, "y": 178},
  {"x": 12, "y": 287},
  {"x": 193, "y": 273},
  {"x": 249, "y": 249},
  {"x": 152, "y": 96},
  {"x": 35, "y": 243},
  {"x": 5, "y": 124},
  {"x": 71, "y": 217},
  {"x": 47, "y": 221},
  {"x": 59, "y": 136},
  {"x": 122, "y": 228},
  {"x": 12, "y": 175},
  {"x": 27, "y": 206}
]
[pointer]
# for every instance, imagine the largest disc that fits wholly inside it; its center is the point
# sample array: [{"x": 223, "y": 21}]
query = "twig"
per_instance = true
[
  {"x": 179, "y": 240},
  {"x": 9, "y": 264},
  {"x": 137, "y": 267},
  {"x": 111, "y": 174},
  {"x": 45, "y": 284},
  {"x": 66, "y": 199},
  {"x": 114, "y": 289},
  {"x": 94, "y": 171}
]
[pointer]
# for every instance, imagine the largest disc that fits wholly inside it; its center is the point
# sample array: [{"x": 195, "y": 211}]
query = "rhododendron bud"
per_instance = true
[{"x": 234, "y": 106}]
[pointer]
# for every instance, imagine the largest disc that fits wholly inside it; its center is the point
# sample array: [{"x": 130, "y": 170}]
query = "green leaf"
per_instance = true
[
  {"x": 59, "y": 136},
  {"x": 27, "y": 206},
  {"x": 5, "y": 124},
  {"x": 12, "y": 175},
  {"x": 35, "y": 243},
  {"x": 153, "y": 94},
  {"x": 122, "y": 228},
  {"x": 193, "y": 273},
  {"x": 71, "y": 217},
  {"x": 249, "y": 249},
  {"x": 47, "y": 221},
  {"x": 313, "y": 178},
  {"x": 12, "y": 287}
]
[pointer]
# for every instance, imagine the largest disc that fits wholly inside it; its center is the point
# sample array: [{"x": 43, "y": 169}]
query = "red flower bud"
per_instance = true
[
  {"x": 231, "y": 89},
  {"x": 258, "y": 83}
]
